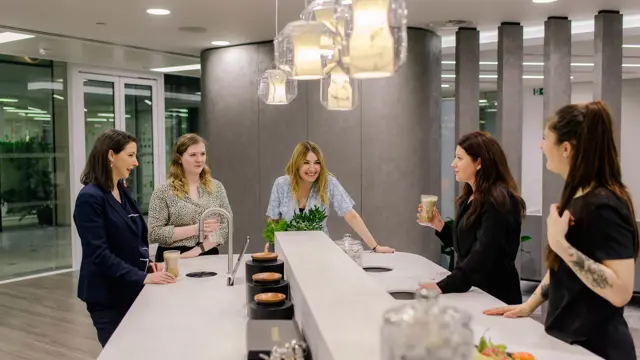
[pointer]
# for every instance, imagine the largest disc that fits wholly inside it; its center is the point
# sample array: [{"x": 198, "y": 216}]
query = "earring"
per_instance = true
[
  {"x": 111, "y": 164},
  {"x": 564, "y": 155}
]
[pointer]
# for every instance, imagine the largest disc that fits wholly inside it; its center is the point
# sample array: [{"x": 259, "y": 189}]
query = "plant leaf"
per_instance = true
[{"x": 525, "y": 238}]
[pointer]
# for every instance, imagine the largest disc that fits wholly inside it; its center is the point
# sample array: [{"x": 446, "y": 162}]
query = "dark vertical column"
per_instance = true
[
  {"x": 607, "y": 79},
  {"x": 467, "y": 81},
  {"x": 557, "y": 93},
  {"x": 229, "y": 123},
  {"x": 510, "y": 71},
  {"x": 401, "y": 147}
]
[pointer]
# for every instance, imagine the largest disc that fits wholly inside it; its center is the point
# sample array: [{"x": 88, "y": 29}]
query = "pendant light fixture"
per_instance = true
[
  {"x": 275, "y": 87},
  {"x": 305, "y": 49},
  {"x": 337, "y": 91},
  {"x": 374, "y": 43}
]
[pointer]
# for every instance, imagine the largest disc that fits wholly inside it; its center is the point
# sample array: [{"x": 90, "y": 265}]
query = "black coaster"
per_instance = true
[
  {"x": 201, "y": 274},
  {"x": 279, "y": 311}
]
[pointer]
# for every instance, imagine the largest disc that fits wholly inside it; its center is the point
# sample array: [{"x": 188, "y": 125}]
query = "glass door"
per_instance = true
[{"x": 123, "y": 101}]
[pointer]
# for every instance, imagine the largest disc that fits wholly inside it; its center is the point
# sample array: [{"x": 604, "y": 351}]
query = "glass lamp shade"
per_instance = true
[
  {"x": 306, "y": 50},
  {"x": 338, "y": 91},
  {"x": 374, "y": 42},
  {"x": 276, "y": 88}
]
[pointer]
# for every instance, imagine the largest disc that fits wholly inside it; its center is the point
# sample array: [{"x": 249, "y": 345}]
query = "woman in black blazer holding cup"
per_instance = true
[
  {"x": 486, "y": 231},
  {"x": 115, "y": 249}
]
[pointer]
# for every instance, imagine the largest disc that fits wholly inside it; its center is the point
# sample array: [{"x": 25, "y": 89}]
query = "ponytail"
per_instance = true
[{"x": 594, "y": 162}]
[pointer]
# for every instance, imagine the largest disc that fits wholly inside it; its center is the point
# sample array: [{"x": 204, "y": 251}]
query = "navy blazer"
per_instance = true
[{"x": 113, "y": 267}]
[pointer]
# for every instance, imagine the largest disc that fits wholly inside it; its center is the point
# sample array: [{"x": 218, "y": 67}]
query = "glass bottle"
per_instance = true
[
  {"x": 424, "y": 329},
  {"x": 351, "y": 247}
]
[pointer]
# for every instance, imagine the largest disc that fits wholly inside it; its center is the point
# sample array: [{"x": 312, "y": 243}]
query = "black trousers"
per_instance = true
[
  {"x": 182, "y": 249},
  {"x": 106, "y": 319}
]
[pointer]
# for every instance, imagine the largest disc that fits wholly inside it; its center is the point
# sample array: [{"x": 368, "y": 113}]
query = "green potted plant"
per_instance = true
[{"x": 312, "y": 220}]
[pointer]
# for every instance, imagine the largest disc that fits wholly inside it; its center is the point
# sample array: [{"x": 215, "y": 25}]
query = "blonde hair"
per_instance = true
[
  {"x": 177, "y": 178},
  {"x": 297, "y": 159}
]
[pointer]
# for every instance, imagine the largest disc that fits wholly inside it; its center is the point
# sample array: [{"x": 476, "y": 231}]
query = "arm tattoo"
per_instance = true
[
  {"x": 543, "y": 290},
  {"x": 588, "y": 269}
]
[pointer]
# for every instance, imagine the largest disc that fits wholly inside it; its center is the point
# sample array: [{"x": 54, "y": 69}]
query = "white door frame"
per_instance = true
[{"x": 75, "y": 97}]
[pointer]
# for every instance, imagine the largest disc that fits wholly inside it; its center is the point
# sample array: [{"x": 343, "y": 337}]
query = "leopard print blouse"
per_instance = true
[{"x": 167, "y": 211}]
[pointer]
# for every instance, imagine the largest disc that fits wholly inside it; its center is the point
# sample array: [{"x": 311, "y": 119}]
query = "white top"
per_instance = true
[{"x": 206, "y": 319}]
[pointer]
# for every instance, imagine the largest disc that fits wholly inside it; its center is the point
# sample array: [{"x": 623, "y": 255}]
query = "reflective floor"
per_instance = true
[{"x": 34, "y": 250}]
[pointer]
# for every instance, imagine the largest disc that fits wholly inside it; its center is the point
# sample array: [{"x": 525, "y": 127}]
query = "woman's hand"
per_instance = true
[
  {"x": 157, "y": 267},
  {"x": 511, "y": 311},
  {"x": 211, "y": 225},
  {"x": 384, "y": 249},
  {"x": 437, "y": 222},
  {"x": 161, "y": 278},
  {"x": 430, "y": 286},
  {"x": 557, "y": 227}
]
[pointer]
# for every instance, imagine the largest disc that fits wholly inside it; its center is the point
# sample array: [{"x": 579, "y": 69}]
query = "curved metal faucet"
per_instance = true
[{"x": 226, "y": 214}]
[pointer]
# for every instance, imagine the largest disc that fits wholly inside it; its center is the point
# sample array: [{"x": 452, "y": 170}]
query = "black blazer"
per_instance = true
[
  {"x": 113, "y": 268},
  {"x": 486, "y": 249}
]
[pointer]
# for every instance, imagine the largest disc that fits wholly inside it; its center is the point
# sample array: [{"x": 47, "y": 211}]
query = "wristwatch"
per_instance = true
[{"x": 201, "y": 246}]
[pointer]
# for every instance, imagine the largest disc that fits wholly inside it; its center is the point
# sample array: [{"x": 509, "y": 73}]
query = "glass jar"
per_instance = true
[
  {"x": 424, "y": 329},
  {"x": 351, "y": 247}
]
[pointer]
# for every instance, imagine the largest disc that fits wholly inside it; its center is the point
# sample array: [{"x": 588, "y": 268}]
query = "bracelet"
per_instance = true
[{"x": 374, "y": 248}]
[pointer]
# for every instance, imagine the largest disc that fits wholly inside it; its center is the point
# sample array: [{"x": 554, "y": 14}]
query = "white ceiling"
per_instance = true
[{"x": 160, "y": 42}]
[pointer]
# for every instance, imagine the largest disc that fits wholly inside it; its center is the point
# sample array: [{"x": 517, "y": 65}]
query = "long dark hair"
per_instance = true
[
  {"x": 493, "y": 181},
  {"x": 594, "y": 160},
  {"x": 98, "y": 169}
]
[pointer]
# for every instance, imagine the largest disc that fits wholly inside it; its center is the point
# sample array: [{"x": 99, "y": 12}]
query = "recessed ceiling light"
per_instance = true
[
  {"x": 631, "y": 46},
  {"x": 158, "y": 12},
  {"x": 178, "y": 68},
  {"x": 220, "y": 43},
  {"x": 543, "y": 1},
  {"x": 445, "y": 85},
  {"x": 6, "y": 37}
]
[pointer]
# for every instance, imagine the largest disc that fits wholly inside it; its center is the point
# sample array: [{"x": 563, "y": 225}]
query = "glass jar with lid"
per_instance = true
[
  {"x": 424, "y": 329},
  {"x": 351, "y": 247}
]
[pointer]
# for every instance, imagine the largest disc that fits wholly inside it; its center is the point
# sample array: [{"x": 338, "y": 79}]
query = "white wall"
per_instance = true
[{"x": 532, "y": 162}]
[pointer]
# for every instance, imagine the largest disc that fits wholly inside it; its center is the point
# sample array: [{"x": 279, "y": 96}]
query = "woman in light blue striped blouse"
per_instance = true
[{"x": 313, "y": 185}]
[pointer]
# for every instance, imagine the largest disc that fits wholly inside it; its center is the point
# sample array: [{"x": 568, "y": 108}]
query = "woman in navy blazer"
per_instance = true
[{"x": 115, "y": 249}]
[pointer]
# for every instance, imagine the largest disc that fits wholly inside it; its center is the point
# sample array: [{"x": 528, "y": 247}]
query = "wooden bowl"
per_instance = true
[
  {"x": 264, "y": 256},
  {"x": 267, "y": 277},
  {"x": 269, "y": 298}
]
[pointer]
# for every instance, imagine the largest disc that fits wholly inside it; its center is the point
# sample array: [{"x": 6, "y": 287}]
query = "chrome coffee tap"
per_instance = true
[{"x": 231, "y": 273}]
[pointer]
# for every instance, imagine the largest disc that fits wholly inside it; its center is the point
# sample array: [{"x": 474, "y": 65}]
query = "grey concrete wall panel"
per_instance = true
[
  {"x": 510, "y": 71},
  {"x": 557, "y": 93},
  {"x": 339, "y": 135},
  {"x": 229, "y": 122},
  {"x": 607, "y": 73},
  {"x": 386, "y": 153},
  {"x": 401, "y": 147},
  {"x": 281, "y": 127}
]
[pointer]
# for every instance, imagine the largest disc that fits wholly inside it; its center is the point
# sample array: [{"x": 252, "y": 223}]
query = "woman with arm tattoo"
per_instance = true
[{"x": 592, "y": 262}]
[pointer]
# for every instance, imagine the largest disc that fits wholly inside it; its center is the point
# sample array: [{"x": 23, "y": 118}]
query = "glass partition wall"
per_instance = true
[{"x": 35, "y": 216}]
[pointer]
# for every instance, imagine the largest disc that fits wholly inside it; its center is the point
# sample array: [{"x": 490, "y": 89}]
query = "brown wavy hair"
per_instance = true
[
  {"x": 176, "y": 177},
  {"x": 494, "y": 182},
  {"x": 594, "y": 160},
  {"x": 297, "y": 159},
  {"x": 97, "y": 169}
]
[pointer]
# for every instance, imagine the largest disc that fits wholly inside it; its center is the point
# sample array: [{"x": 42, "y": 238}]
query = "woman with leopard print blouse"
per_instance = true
[{"x": 175, "y": 208}]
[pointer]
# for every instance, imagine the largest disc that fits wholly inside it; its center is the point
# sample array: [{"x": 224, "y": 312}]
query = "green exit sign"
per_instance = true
[{"x": 538, "y": 91}]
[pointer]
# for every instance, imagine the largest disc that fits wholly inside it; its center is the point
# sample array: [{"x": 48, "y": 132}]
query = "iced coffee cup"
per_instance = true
[
  {"x": 428, "y": 206},
  {"x": 171, "y": 260}
]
